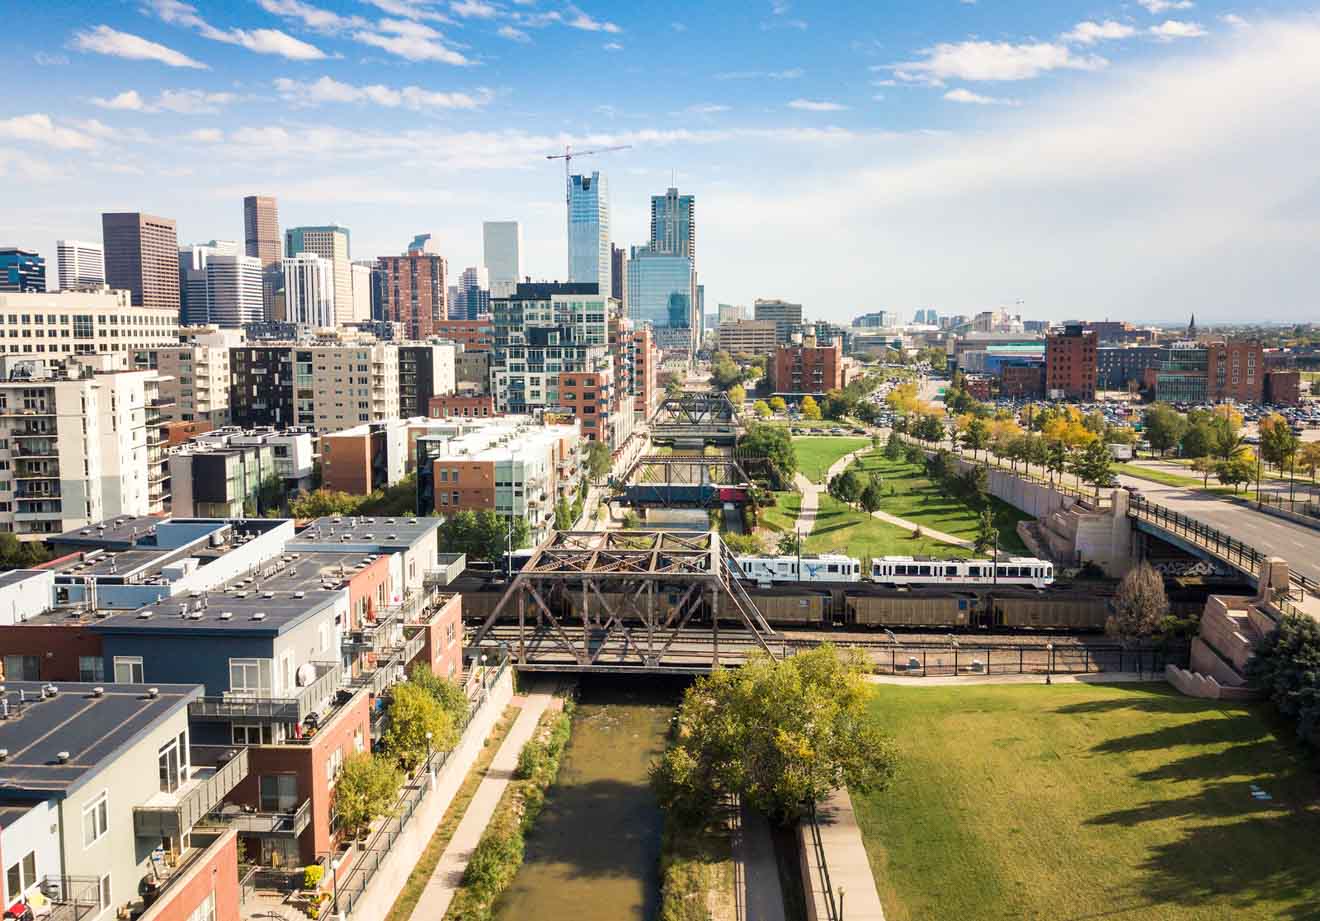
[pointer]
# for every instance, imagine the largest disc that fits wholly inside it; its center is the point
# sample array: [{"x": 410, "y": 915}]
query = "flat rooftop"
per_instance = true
[
  {"x": 91, "y": 729},
  {"x": 502, "y": 442},
  {"x": 387, "y": 533},
  {"x": 135, "y": 550},
  {"x": 245, "y": 609},
  {"x": 318, "y": 570},
  {"x": 15, "y": 576}
]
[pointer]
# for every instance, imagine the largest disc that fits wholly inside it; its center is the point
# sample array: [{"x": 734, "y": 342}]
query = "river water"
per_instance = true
[{"x": 593, "y": 854}]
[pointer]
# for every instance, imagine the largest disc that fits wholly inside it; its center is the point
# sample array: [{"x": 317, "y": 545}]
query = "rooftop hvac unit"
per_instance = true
[
  {"x": 226, "y": 615},
  {"x": 260, "y": 615}
]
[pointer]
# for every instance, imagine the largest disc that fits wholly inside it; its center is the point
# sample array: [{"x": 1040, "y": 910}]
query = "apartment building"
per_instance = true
[
  {"x": 366, "y": 457},
  {"x": 65, "y": 323},
  {"x": 510, "y": 466},
  {"x": 472, "y": 371},
  {"x": 76, "y": 449},
  {"x": 755, "y": 337},
  {"x": 330, "y": 242},
  {"x": 224, "y": 482},
  {"x": 294, "y": 450},
  {"x": 101, "y": 790},
  {"x": 461, "y": 406},
  {"x": 329, "y": 387},
  {"x": 1070, "y": 364},
  {"x": 799, "y": 369},
  {"x": 195, "y": 375},
  {"x": 426, "y": 370},
  {"x": 1189, "y": 372},
  {"x": 81, "y": 264},
  {"x": 414, "y": 291},
  {"x": 474, "y": 335}
]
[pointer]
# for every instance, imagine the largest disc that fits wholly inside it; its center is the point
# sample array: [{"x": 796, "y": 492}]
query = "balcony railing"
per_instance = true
[
  {"x": 200, "y": 794},
  {"x": 47, "y": 449},
  {"x": 245, "y": 706},
  {"x": 34, "y": 431},
  {"x": 72, "y": 897},
  {"x": 254, "y": 822}
]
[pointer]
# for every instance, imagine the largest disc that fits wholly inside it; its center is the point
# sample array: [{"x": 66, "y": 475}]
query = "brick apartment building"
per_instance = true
[
  {"x": 461, "y": 406},
  {"x": 1022, "y": 380},
  {"x": 1070, "y": 364},
  {"x": 802, "y": 369},
  {"x": 474, "y": 335}
]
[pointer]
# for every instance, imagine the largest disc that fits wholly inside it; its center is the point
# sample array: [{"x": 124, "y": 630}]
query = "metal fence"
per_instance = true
[
  {"x": 833, "y": 904},
  {"x": 1298, "y": 505},
  {"x": 379, "y": 844},
  {"x": 963, "y": 659}
]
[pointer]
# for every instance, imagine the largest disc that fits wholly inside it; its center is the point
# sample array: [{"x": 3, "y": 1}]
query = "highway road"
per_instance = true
[{"x": 1296, "y": 543}]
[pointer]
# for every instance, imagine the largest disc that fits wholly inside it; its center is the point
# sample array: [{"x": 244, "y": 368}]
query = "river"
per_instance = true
[{"x": 593, "y": 853}]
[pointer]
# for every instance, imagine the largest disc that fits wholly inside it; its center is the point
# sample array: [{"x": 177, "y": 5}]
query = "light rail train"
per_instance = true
[{"x": 897, "y": 570}]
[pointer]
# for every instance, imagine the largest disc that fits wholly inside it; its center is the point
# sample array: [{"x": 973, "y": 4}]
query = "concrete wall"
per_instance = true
[
  {"x": 1205, "y": 661},
  {"x": 375, "y": 903},
  {"x": 30, "y": 834},
  {"x": 26, "y": 597}
]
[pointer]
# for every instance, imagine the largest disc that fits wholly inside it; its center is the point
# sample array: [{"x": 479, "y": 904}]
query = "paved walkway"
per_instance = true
[
  {"x": 1091, "y": 678},
  {"x": 847, "y": 864},
  {"x": 756, "y": 872},
  {"x": 925, "y": 531},
  {"x": 439, "y": 891}
]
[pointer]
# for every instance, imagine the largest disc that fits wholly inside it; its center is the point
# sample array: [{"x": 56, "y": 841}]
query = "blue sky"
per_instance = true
[{"x": 1136, "y": 159}]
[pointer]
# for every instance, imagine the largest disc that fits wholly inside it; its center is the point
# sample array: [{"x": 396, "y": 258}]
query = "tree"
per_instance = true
[
  {"x": 986, "y": 532},
  {"x": 18, "y": 554},
  {"x": 1278, "y": 444},
  {"x": 413, "y": 713},
  {"x": 324, "y": 503},
  {"x": 976, "y": 437},
  {"x": 779, "y": 734},
  {"x": 915, "y": 455},
  {"x": 1056, "y": 459},
  {"x": 775, "y": 444},
  {"x": 761, "y": 408},
  {"x": 631, "y": 521},
  {"x": 449, "y": 694},
  {"x": 598, "y": 460},
  {"x": 872, "y": 496},
  {"x": 1236, "y": 470},
  {"x": 1286, "y": 667},
  {"x": 1205, "y": 466},
  {"x": 1092, "y": 465},
  {"x": 894, "y": 447},
  {"x": 1139, "y": 605},
  {"x": 1164, "y": 426},
  {"x": 1198, "y": 440},
  {"x": 724, "y": 373},
  {"x": 673, "y": 388},
  {"x": 930, "y": 428},
  {"x": 1308, "y": 458},
  {"x": 810, "y": 408},
  {"x": 366, "y": 789},
  {"x": 270, "y": 494},
  {"x": 563, "y": 515},
  {"x": 483, "y": 535},
  {"x": 778, "y": 405},
  {"x": 847, "y": 487},
  {"x": 737, "y": 396}
]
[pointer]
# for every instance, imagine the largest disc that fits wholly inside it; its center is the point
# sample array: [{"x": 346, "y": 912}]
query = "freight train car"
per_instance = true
[
  {"x": 938, "y": 611},
  {"x": 800, "y": 609},
  {"x": 1085, "y": 612}
]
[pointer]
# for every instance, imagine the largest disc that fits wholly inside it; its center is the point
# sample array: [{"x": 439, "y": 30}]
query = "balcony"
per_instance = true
[
  {"x": 46, "y": 448},
  {"x": 49, "y": 471},
  {"x": 72, "y": 898},
  {"x": 250, "y": 821},
  {"x": 37, "y": 489},
  {"x": 27, "y": 412},
  {"x": 215, "y": 771},
  {"x": 32, "y": 430},
  {"x": 251, "y": 706}
]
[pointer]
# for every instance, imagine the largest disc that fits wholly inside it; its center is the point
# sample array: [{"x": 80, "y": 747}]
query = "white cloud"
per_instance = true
[
  {"x": 473, "y": 9},
  {"x": 260, "y": 41},
  {"x": 181, "y": 102},
  {"x": 206, "y": 135},
  {"x": 411, "y": 40},
  {"x": 1173, "y": 29},
  {"x": 967, "y": 97},
  {"x": 514, "y": 34},
  {"x": 709, "y": 108},
  {"x": 45, "y": 59},
  {"x": 612, "y": 46},
  {"x": 127, "y": 101},
  {"x": 105, "y": 40},
  {"x": 39, "y": 128},
  {"x": 1155, "y": 7},
  {"x": 791, "y": 73},
  {"x": 416, "y": 98},
  {"x": 578, "y": 19},
  {"x": 313, "y": 17},
  {"x": 410, "y": 9},
  {"x": 816, "y": 105},
  {"x": 1088, "y": 33},
  {"x": 1233, "y": 20},
  {"x": 978, "y": 60}
]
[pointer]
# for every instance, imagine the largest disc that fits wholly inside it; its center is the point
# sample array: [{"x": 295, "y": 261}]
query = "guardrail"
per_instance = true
[
  {"x": 833, "y": 908},
  {"x": 177, "y": 819},
  {"x": 236, "y": 706}
]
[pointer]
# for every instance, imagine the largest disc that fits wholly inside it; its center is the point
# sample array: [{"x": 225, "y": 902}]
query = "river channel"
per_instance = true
[{"x": 593, "y": 854}]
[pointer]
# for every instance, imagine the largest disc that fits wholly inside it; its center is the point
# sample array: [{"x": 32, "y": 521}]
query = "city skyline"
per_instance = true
[{"x": 1143, "y": 160}]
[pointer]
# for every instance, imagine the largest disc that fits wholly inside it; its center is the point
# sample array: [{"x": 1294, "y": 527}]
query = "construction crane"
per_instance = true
[{"x": 568, "y": 155}]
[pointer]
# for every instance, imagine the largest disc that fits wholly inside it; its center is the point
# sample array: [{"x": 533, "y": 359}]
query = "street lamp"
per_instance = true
[
  {"x": 429, "y": 775},
  {"x": 1049, "y": 669},
  {"x": 483, "y": 671}
]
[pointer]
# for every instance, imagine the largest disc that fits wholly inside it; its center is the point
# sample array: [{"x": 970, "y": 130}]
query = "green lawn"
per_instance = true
[
  {"x": 1118, "y": 802},
  {"x": 916, "y": 499},
  {"x": 1158, "y": 476},
  {"x": 840, "y": 529},
  {"x": 783, "y": 516},
  {"x": 815, "y": 453}
]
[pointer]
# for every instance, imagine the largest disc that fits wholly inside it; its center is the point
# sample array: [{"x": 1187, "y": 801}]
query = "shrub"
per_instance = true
[{"x": 312, "y": 875}]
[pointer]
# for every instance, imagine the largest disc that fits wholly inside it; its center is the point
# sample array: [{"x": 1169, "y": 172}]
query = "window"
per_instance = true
[
  {"x": 249, "y": 677},
  {"x": 206, "y": 910},
  {"x": 172, "y": 763},
  {"x": 333, "y": 765},
  {"x": 128, "y": 670},
  {"x": 96, "y": 820},
  {"x": 104, "y": 892},
  {"x": 21, "y": 874},
  {"x": 251, "y": 734},
  {"x": 22, "y": 668},
  {"x": 279, "y": 792},
  {"x": 91, "y": 668}
]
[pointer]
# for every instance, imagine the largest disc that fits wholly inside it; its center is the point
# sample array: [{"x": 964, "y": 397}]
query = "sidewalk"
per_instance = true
[
  {"x": 1033, "y": 678},
  {"x": 756, "y": 872},
  {"x": 439, "y": 891},
  {"x": 846, "y": 865}
]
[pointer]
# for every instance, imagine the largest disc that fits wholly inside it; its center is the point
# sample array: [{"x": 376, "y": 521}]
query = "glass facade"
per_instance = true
[
  {"x": 21, "y": 270},
  {"x": 589, "y": 231},
  {"x": 672, "y": 224},
  {"x": 660, "y": 290}
]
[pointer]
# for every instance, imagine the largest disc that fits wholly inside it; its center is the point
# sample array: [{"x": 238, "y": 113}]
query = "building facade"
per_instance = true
[
  {"x": 1070, "y": 364},
  {"x": 141, "y": 257},
  {"x": 474, "y": 335},
  {"x": 329, "y": 242},
  {"x": 1119, "y": 366},
  {"x": 309, "y": 291},
  {"x": 787, "y": 317},
  {"x": 57, "y": 326},
  {"x": 194, "y": 376},
  {"x": 21, "y": 270},
  {"x": 662, "y": 292},
  {"x": 414, "y": 291},
  {"x": 328, "y": 387},
  {"x": 799, "y": 370},
  {"x": 619, "y": 275},
  {"x": 426, "y": 370},
  {"x": 674, "y": 224},
  {"x": 501, "y": 255},
  {"x": 755, "y": 337},
  {"x": 81, "y": 264},
  {"x": 262, "y": 241},
  {"x": 589, "y": 231}
]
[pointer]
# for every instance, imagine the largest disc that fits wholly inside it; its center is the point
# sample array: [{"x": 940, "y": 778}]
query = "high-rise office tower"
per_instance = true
[
  {"x": 414, "y": 290},
  {"x": 619, "y": 275},
  {"x": 674, "y": 224},
  {"x": 662, "y": 293},
  {"x": 329, "y": 242},
  {"x": 589, "y": 231},
  {"x": 21, "y": 270},
  {"x": 261, "y": 238},
  {"x": 309, "y": 290},
  {"x": 362, "y": 290},
  {"x": 787, "y": 316},
  {"x": 81, "y": 265},
  {"x": 473, "y": 293},
  {"x": 195, "y": 299},
  {"x": 235, "y": 285},
  {"x": 501, "y": 254},
  {"x": 142, "y": 258}
]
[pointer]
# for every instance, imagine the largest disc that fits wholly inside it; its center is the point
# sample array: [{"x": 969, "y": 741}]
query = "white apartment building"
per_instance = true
[
  {"x": 294, "y": 450},
  {"x": 234, "y": 287},
  {"x": 81, "y": 264},
  {"x": 310, "y": 291},
  {"x": 67, "y": 323},
  {"x": 80, "y": 450},
  {"x": 352, "y": 384},
  {"x": 195, "y": 375},
  {"x": 329, "y": 242},
  {"x": 361, "y": 291}
]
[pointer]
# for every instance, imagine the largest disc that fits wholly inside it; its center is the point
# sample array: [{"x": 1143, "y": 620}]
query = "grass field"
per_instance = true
[
  {"x": 840, "y": 529},
  {"x": 783, "y": 517},
  {"x": 1158, "y": 476},
  {"x": 815, "y": 453},
  {"x": 1119, "y": 802},
  {"x": 916, "y": 499}
]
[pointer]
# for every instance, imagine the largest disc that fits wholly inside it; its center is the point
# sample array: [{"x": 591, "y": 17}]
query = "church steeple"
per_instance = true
[{"x": 1191, "y": 328}]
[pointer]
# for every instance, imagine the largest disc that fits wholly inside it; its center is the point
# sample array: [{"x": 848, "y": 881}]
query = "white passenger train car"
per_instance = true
[
  {"x": 827, "y": 567},
  {"x": 1017, "y": 570}
]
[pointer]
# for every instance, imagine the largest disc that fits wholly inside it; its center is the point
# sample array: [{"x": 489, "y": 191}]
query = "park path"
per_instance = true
[
  {"x": 948, "y": 680},
  {"x": 440, "y": 888},
  {"x": 844, "y": 857},
  {"x": 810, "y": 491},
  {"x": 756, "y": 872}
]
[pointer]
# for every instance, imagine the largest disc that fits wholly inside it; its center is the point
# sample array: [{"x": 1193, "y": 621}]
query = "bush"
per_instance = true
[
  {"x": 1286, "y": 667},
  {"x": 312, "y": 875}
]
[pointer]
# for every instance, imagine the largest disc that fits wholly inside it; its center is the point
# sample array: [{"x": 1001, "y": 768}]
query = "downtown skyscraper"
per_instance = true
[
  {"x": 501, "y": 255},
  {"x": 81, "y": 264},
  {"x": 589, "y": 231},
  {"x": 261, "y": 239},
  {"x": 142, "y": 258},
  {"x": 674, "y": 224}
]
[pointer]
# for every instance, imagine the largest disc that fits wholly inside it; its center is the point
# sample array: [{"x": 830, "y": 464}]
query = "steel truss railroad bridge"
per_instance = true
[
  {"x": 685, "y": 481},
  {"x": 695, "y": 419},
  {"x": 626, "y": 601}
]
